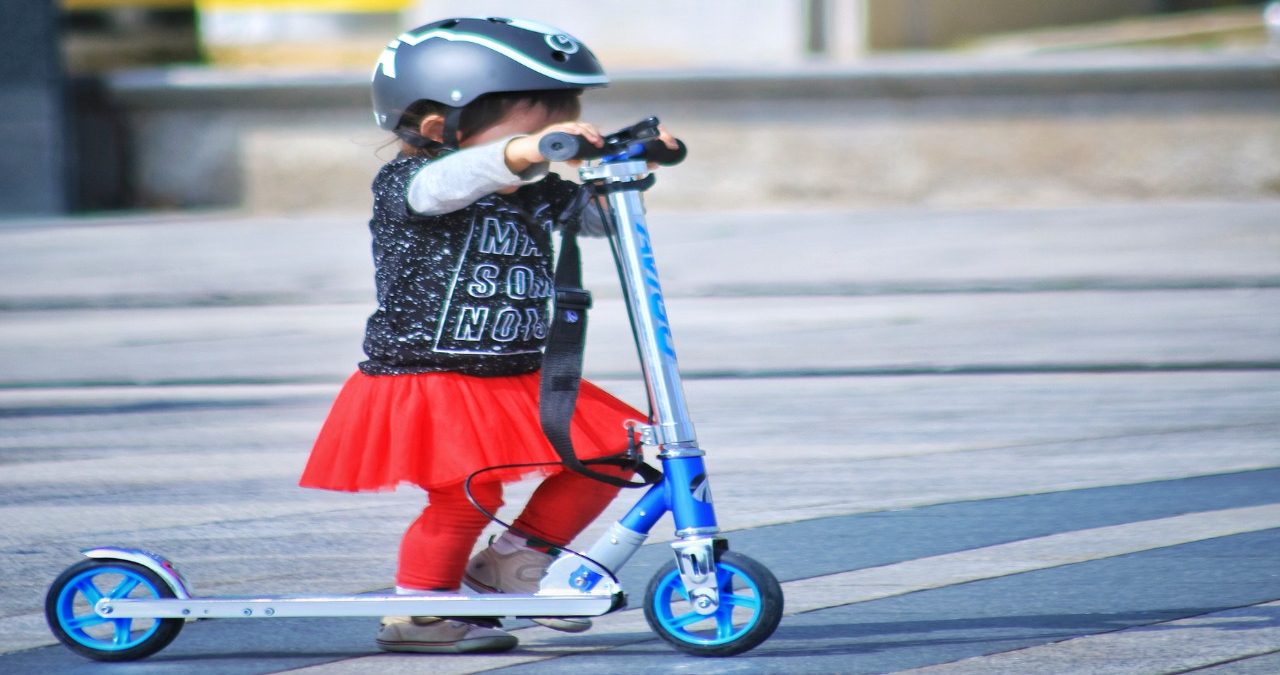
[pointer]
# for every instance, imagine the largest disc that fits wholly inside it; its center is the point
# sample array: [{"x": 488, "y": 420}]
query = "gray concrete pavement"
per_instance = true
[
  {"x": 1046, "y": 436},
  {"x": 217, "y": 298}
]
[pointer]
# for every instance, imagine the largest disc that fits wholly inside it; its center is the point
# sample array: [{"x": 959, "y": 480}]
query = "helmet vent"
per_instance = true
[
  {"x": 559, "y": 56},
  {"x": 498, "y": 19},
  {"x": 449, "y": 24}
]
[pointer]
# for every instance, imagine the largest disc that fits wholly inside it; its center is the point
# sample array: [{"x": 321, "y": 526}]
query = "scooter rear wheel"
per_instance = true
[
  {"x": 69, "y": 609},
  {"x": 750, "y": 608}
]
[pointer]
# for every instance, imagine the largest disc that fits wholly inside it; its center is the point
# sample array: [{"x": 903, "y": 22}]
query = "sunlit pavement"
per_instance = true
[{"x": 1033, "y": 440}]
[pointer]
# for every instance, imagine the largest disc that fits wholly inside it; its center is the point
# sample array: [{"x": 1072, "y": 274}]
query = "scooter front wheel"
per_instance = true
[
  {"x": 749, "y": 611},
  {"x": 69, "y": 609}
]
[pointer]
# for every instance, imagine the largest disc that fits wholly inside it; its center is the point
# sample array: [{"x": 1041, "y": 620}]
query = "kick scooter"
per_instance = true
[{"x": 123, "y": 604}]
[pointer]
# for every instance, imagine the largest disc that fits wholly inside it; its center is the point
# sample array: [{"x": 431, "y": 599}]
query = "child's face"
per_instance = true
[{"x": 521, "y": 120}]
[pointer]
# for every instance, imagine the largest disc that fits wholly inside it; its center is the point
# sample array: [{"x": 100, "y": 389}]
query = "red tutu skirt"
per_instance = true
[{"x": 435, "y": 429}]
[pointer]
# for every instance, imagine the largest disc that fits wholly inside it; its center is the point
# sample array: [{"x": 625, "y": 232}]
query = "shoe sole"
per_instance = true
[
  {"x": 565, "y": 625},
  {"x": 489, "y": 644},
  {"x": 476, "y": 585},
  {"x": 562, "y": 625}
]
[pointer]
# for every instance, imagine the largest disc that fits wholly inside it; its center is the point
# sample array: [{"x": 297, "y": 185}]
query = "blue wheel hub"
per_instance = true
[
  {"x": 76, "y": 615},
  {"x": 738, "y": 613}
]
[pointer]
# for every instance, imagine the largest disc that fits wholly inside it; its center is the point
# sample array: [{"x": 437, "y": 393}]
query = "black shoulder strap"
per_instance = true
[{"x": 562, "y": 360}]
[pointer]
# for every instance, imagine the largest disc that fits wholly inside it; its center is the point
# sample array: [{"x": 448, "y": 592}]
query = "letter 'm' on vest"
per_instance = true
[{"x": 499, "y": 237}]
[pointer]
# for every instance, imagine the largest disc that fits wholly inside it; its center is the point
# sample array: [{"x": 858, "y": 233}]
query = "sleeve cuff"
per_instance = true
[{"x": 532, "y": 174}]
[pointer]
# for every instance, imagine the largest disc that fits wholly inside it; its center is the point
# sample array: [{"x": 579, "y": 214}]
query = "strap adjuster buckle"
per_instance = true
[{"x": 573, "y": 298}]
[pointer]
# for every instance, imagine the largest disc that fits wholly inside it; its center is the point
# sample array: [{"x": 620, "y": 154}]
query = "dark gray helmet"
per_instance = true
[{"x": 455, "y": 61}]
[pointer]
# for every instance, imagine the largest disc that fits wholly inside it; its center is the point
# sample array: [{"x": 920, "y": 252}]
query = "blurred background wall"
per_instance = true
[
  {"x": 105, "y": 34},
  {"x": 33, "y": 166},
  {"x": 262, "y": 104}
]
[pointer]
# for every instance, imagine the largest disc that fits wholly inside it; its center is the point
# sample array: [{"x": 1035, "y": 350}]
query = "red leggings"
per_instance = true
[{"x": 435, "y": 548}]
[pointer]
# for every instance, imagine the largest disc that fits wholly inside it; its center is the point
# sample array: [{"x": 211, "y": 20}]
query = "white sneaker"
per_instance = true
[
  {"x": 518, "y": 572},
  {"x": 434, "y": 635}
]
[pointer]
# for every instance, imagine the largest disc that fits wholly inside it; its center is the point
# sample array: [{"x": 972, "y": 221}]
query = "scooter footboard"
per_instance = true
[{"x": 371, "y": 604}]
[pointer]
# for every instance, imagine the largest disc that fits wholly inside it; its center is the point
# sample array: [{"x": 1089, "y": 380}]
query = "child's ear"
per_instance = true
[{"x": 432, "y": 127}]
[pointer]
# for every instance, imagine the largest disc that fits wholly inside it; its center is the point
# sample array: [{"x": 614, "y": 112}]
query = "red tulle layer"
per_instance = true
[{"x": 435, "y": 429}]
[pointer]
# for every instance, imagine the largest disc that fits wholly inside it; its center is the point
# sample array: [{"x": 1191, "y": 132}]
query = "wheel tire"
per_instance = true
[
  {"x": 750, "y": 608},
  {"x": 68, "y": 607}
]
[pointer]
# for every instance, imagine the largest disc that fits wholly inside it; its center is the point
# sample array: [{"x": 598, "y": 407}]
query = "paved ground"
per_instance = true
[{"x": 966, "y": 441}]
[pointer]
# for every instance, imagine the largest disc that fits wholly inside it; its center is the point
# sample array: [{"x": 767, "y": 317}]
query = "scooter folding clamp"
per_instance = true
[
  {"x": 620, "y": 172},
  {"x": 647, "y": 432}
]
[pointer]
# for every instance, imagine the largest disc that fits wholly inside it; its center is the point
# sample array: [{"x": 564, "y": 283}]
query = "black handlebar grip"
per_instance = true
[
  {"x": 559, "y": 146},
  {"x": 658, "y": 152}
]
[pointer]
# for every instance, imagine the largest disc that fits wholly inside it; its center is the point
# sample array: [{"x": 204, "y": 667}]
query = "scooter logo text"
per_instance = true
[{"x": 653, "y": 293}]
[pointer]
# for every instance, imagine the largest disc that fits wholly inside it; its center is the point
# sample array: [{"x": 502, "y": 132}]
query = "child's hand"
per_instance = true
[
  {"x": 666, "y": 137},
  {"x": 668, "y": 140},
  {"x": 523, "y": 152}
]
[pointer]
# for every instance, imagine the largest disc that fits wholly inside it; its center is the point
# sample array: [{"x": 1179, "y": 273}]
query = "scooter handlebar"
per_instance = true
[{"x": 559, "y": 146}]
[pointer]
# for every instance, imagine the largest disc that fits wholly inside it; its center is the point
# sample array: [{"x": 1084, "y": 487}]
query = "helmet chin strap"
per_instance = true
[
  {"x": 452, "y": 119},
  {"x": 417, "y": 140}
]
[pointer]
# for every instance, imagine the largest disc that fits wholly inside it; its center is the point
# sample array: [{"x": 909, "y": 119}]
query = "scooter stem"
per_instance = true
[
  {"x": 684, "y": 491},
  {"x": 633, "y": 250}
]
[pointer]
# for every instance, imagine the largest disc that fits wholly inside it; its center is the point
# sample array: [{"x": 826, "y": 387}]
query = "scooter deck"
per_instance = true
[{"x": 365, "y": 604}]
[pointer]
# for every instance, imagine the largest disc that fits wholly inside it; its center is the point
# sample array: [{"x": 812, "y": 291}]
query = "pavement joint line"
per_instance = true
[
  {"x": 876, "y": 583},
  {"x": 116, "y": 394},
  {"x": 782, "y": 289},
  {"x": 980, "y": 369},
  {"x": 986, "y": 369},
  {"x": 1227, "y": 662},
  {"x": 1183, "y": 645},
  {"x": 984, "y": 287},
  {"x": 1154, "y": 433}
]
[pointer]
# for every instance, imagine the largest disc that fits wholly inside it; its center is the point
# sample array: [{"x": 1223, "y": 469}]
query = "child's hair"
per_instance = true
[{"x": 483, "y": 113}]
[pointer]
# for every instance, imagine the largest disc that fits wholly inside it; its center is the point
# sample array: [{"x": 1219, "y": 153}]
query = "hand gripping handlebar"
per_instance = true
[{"x": 638, "y": 141}]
